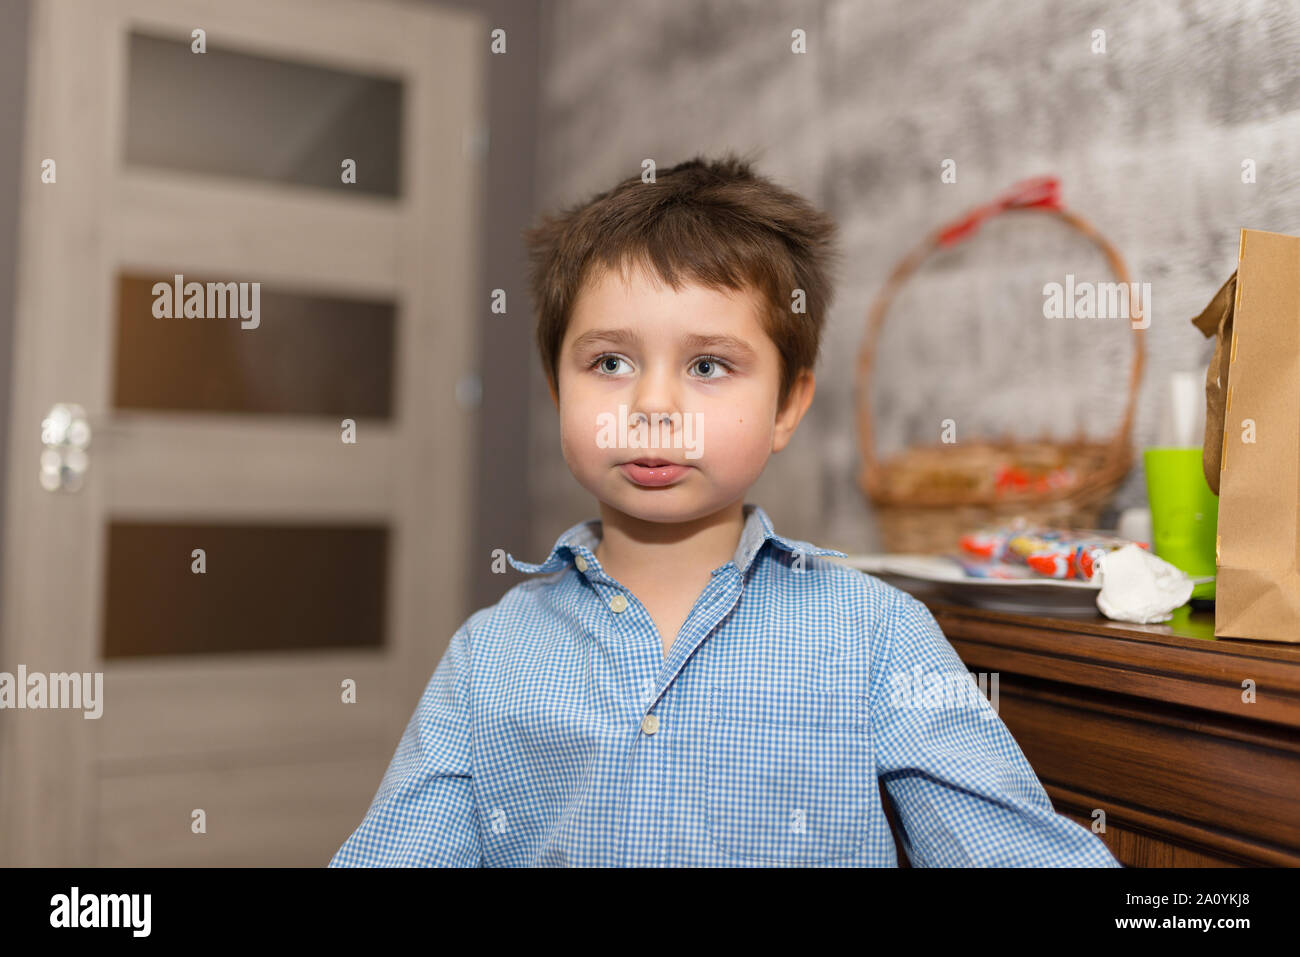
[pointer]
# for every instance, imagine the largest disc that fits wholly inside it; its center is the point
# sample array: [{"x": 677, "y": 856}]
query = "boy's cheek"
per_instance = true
[
  {"x": 738, "y": 450},
  {"x": 580, "y": 438}
]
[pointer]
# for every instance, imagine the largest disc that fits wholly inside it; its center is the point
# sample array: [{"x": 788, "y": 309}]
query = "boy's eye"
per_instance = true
[
  {"x": 608, "y": 364},
  {"x": 714, "y": 367}
]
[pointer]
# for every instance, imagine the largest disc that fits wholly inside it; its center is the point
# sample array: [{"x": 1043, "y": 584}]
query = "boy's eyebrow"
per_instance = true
[{"x": 721, "y": 342}]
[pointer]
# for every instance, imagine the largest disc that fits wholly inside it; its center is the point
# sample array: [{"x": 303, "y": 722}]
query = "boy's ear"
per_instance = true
[{"x": 796, "y": 404}]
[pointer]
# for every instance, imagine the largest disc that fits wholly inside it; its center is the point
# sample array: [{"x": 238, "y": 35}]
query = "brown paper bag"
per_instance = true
[
  {"x": 1216, "y": 321},
  {"x": 1252, "y": 439}
]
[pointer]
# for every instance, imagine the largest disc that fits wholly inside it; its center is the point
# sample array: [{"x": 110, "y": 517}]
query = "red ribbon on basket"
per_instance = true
[{"x": 1040, "y": 191}]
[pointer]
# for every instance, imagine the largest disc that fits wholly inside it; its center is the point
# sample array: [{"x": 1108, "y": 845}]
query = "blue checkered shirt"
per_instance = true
[{"x": 556, "y": 732}]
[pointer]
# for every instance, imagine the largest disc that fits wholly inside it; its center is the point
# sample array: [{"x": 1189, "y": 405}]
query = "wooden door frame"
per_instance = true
[{"x": 99, "y": 217}]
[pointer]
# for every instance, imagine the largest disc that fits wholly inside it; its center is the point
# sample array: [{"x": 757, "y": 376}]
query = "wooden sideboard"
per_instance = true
[{"x": 1148, "y": 723}]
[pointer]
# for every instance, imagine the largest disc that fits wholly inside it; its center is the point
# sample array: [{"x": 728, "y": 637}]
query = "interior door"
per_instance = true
[{"x": 244, "y": 507}]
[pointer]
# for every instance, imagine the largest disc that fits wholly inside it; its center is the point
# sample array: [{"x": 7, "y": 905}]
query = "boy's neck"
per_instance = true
[{"x": 632, "y": 549}]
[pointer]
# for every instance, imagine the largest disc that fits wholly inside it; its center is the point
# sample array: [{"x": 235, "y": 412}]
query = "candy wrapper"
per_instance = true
[
  {"x": 982, "y": 569},
  {"x": 1041, "y": 551}
]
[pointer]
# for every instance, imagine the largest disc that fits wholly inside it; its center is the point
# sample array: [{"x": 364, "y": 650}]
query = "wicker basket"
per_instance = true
[{"x": 927, "y": 496}]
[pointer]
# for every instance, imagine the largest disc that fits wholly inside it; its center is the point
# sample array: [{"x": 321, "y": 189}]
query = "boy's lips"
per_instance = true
[{"x": 653, "y": 472}]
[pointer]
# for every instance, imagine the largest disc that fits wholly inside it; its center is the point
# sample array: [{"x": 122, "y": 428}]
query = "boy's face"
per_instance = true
[{"x": 699, "y": 356}]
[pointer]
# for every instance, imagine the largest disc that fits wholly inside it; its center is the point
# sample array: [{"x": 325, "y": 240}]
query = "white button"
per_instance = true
[
  {"x": 650, "y": 723},
  {"x": 617, "y": 603},
  {"x": 581, "y": 563}
]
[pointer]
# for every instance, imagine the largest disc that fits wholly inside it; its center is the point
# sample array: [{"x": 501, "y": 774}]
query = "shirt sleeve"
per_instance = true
[
  {"x": 964, "y": 793},
  {"x": 423, "y": 814}
]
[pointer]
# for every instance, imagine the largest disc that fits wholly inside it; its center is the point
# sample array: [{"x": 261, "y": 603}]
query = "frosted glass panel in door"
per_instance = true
[{"x": 237, "y": 114}]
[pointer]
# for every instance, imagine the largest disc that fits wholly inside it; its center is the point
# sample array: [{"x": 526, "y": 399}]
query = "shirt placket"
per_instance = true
[{"x": 644, "y": 818}]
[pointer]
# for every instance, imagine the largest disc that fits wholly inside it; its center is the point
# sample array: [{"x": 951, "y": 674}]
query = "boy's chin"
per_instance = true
[{"x": 666, "y": 506}]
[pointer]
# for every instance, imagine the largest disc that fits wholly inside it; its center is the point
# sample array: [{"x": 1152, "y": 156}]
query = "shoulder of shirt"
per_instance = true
[
  {"x": 851, "y": 580},
  {"x": 527, "y": 596},
  {"x": 895, "y": 611}
]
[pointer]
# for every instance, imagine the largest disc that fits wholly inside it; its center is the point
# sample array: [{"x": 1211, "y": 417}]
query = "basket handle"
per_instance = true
[{"x": 1039, "y": 193}]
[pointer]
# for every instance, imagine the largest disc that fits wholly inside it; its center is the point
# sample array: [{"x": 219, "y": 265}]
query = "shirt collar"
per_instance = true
[{"x": 577, "y": 546}]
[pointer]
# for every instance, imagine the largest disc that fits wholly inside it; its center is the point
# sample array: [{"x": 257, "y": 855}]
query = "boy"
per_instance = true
[{"x": 680, "y": 685}]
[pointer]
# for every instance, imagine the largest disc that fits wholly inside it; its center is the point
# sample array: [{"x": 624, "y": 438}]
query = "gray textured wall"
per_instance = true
[{"x": 1148, "y": 140}]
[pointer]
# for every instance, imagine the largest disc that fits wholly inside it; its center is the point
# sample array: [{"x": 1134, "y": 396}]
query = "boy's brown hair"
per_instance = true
[{"x": 711, "y": 222}]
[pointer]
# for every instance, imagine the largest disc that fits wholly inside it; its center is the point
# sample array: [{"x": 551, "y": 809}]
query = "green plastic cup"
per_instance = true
[{"x": 1184, "y": 513}]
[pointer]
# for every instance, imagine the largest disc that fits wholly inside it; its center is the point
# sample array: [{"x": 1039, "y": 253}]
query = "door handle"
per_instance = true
[{"x": 65, "y": 432}]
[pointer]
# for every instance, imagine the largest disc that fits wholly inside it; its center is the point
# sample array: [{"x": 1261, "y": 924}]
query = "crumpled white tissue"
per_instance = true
[{"x": 1137, "y": 586}]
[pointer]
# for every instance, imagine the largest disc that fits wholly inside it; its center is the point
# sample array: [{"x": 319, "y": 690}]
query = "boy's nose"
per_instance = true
[
  {"x": 662, "y": 419},
  {"x": 655, "y": 397}
]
